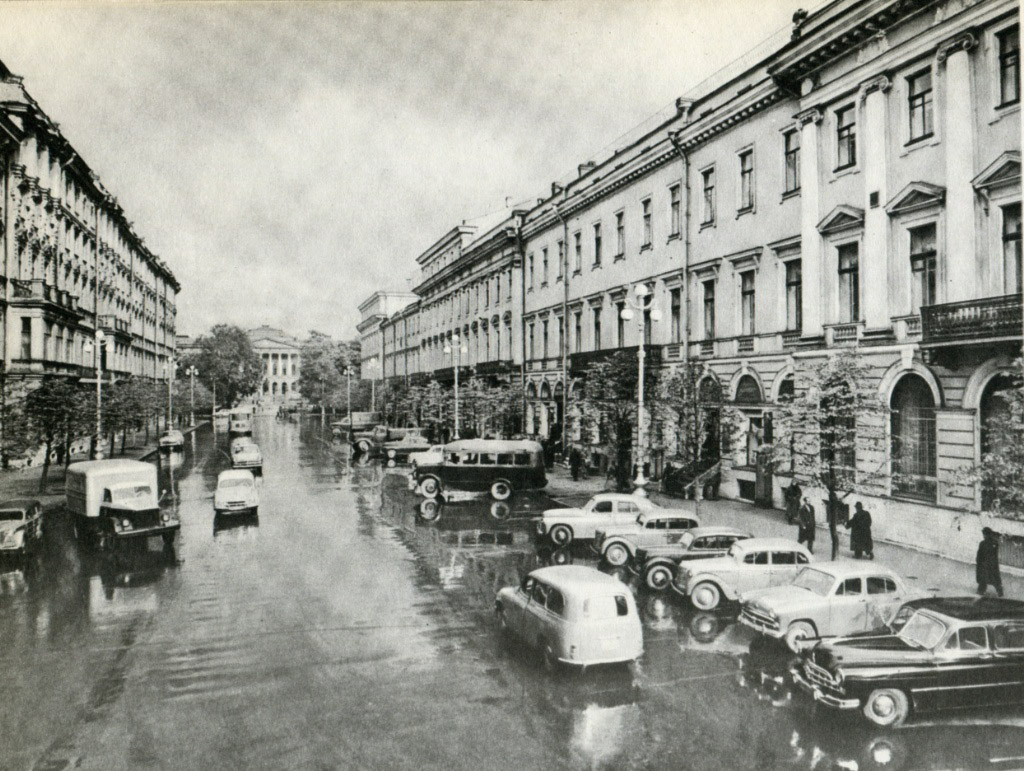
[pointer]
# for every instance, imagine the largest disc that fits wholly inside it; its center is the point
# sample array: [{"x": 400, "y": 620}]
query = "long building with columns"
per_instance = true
[
  {"x": 73, "y": 263},
  {"x": 854, "y": 185}
]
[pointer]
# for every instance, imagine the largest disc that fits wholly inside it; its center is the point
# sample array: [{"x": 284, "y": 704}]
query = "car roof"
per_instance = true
[
  {"x": 697, "y": 532},
  {"x": 847, "y": 568},
  {"x": 112, "y": 463},
  {"x": 973, "y": 608},
  {"x": 493, "y": 445},
  {"x": 578, "y": 577},
  {"x": 667, "y": 514},
  {"x": 756, "y": 544},
  {"x": 18, "y": 503},
  {"x": 235, "y": 473},
  {"x": 621, "y": 497}
]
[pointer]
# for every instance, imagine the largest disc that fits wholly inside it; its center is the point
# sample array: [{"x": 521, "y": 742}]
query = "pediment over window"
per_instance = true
[
  {"x": 842, "y": 218},
  {"x": 915, "y": 196},
  {"x": 1004, "y": 170}
]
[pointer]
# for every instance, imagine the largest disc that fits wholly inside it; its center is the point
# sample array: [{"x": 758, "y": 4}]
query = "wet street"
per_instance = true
[{"x": 342, "y": 629}]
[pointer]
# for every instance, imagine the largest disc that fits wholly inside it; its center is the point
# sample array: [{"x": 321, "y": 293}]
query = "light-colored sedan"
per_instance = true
[
  {"x": 563, "y": 526},
  {"x": 755, "y": 563},
  {"x": 660, "y": 527},
  {"x": 21, "y": 525},
  {"x": 247, "y": 456},
  {"x": 236, "y": 493},
  {"x": 657, "y": 565},
  {"x": 825, "y": 600},
  {"x": 573, "y": 615}
]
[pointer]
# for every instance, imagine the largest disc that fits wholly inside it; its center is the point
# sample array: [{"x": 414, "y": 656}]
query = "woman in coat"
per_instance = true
[
  {"x": 860, "y": 532},
  {"x": 988, "y": 562}
]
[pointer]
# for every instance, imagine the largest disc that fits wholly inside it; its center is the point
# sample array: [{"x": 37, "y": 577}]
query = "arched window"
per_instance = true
[
  {"x": 993, "y": 408},
  {"x": 913, "y": 438},
  {"x": 545, "y": 391},
  {"x": 748, "y": 391},
  {"x": 531, "y": 391},
  {"x": 787, "y": 389}
]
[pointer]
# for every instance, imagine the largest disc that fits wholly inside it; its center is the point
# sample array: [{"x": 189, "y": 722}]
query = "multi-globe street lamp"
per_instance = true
[
  {"x": 88, "y": 348},
  {"x": 640, "y": 307},
  {"x": 191, "y": 371},
  {"x": 457, "y": 348}
]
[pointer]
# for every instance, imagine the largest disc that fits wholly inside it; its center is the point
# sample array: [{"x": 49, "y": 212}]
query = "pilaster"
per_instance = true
[
  {"x": 810, "y": 239},
  {"x": 875, "y": 253}
]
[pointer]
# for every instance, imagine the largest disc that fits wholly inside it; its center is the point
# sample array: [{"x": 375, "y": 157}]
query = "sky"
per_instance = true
[{"x": 288, "y": 159}]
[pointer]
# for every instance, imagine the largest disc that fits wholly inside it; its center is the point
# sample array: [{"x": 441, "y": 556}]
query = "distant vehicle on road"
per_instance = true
[
  {"x": 499, "y": 466},
  {"x": 172, "y": 441},
  {"x": 657, "y": 565},
  {"x": 618, "y": 544},
  {"x": 246, "y": 455},
  {"x": 563, "y": 526},
  {"x": 432, "y": 454},
  {"x": 400, "y": 450},
  {"x": 372, "y": 442},
  {"x": 236, "y": 493},
  {"x": 572, "y": 615},
  {"x": 21, "y": 526},
  {"x": 361, "y": 421},
  {"x": 240, "y": 421}
]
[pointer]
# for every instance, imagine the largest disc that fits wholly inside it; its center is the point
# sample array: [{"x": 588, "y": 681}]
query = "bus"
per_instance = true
[{"x": 498, "y": 466}]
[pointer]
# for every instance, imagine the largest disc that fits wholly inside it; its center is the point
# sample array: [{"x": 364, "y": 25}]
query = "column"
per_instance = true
[
  {"x": 959, "y": 265},
  {"x": 874, "y": 257},
  {"x": 810, "y": 239}
]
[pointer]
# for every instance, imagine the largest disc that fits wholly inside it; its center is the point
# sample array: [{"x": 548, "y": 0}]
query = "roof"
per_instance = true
[
  {"x": 621, "y": 497},
  {"x": 972, "y": 608},
  {"x": 845, "y": 568},
  {"x": 493, "y": 445},
  {"x": 569, "y": 577},
  {"x": 110, "y": 465},
  {"x": 18, "y": 503},
  {"x": 668, "y": 514},
  {"x": 753, "y": 544},
  {"x": 697, "y": 532},
  {"x": 235, "y": 473}
]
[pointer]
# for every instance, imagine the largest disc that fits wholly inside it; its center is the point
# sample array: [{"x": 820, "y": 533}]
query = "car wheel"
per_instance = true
[
  {"x": 363, "y": 446},
  {"x": 706, "y": 596},
  {"x": 561, "y": 535},
  {"x": 658, "y": 578},
  {"x": 501, "y": 490},
  {"x": 430, "y": 487},
  {"x": 616, "y": 554},
  {"x": 798, "y": 632},
  {"x": 887, "y": 707}
]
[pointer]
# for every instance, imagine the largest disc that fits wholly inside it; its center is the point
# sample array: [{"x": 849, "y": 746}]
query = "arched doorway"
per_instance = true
[
  {"x": 993, "y": 409},
  {"x": 710, "y": 396},
  {"x": 913, "y": 438}
]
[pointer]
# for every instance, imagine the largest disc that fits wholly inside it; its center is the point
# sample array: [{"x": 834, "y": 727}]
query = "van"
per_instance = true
[
  {"x": 240, "y": 422},
  {"x": 572, "y": 615},
  {"x": 498, "y": 466}
]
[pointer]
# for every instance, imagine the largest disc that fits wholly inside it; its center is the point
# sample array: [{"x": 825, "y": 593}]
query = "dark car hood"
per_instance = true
[{"x": 866, "y": 650}]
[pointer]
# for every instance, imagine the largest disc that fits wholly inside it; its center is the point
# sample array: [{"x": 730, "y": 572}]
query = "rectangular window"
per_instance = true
[
  {"x": 922, "y": 266},
  {"x": 673, "y": 210},
  {"x": 846, "y": 137},
  {"x": 561, "y": 335},
  {"x": 849, "y": 283},
  {"x": 709, "y": 310},
  {"x": 646, "y": 208},
  {"x": 792, "y": 144},
  {"x": 1009, "y": 66},
  {"x": 597, "y": 243},
  {"x": 544, "y": 339},
  {"x": 532, "y": 341},
  {"x": 677, "y": 315},
  {"x": 487, "y": 293},
  {"x": 746, "y": 180},
  {"x": 1011, "y": 249},
  {"x": 544, "y": 266},
  {"x": 509, "y": 283},
  {"x": 532, "y": 276},
  {"x": 648, "y": 327},
  {"x": 747, "y": 302},
  {"x": 577, "y": 333},
  {"x": 708, "y": 208},
  {"x": 620, "y": 324},
  {"x": 620, "y": 234},
  {"x": 26, "y": 338},
  {"x": 597, "y": 329},
  {"x": 794, "y": 296},
  {"x": 578, "y": 238},
  {"x": 561, "y": 259},
  {"x": 919, "y": 87}
]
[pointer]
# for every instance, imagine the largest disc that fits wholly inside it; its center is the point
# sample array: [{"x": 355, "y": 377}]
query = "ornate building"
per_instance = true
[{"x": 282, "y": 363}]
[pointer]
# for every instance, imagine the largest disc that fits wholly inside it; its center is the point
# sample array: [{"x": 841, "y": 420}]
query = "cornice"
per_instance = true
[
  {"x": 574, "y": 205},
  {"x": 733, "y": 117}
]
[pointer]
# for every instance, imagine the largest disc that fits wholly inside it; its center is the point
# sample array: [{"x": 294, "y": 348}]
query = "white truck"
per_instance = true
[{"x": 116, "y": 500}]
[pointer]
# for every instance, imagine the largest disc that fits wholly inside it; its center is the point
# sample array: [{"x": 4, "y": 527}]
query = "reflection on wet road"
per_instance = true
[{"x": 349, "y": 627}]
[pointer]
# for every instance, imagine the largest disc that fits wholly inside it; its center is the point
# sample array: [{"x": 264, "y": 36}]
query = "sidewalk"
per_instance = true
[{"x": 923, "y": 571}]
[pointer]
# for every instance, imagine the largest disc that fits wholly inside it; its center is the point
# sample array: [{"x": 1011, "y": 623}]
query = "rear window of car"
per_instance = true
[
  {"x": 1008, "y": 637},
  {"x": 783, "y": 558},
  {"x": 680, "y": 524},
  {"x": 605, "y": 607},
  {"x": 628, "y": 507},
  {"x": 881, "y": 585}
]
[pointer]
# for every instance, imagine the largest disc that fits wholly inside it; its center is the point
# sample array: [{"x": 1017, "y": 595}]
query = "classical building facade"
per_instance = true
[
  {"x": 373, "y": 311},
  {"x": 852, "y": 187},
  {"x": 282, "y": 363},
  {"x": 73, "y": 264}
]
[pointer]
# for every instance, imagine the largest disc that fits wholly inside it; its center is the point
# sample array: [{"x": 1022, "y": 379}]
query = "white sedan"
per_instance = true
[
  {"x": 563, "y": 526},
  {"x": 236, "y": 493}
]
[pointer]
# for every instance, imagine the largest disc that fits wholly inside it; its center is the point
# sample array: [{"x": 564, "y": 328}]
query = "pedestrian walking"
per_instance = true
[
  {"x": 575, "y": 461},
  {"x": 806, "y": 522},
  {"x": 832, "y": 517},
  {"x": 860, "y": 532},
  {"x": 988, "y": 562},
  {"x": 793, "y": 495}
]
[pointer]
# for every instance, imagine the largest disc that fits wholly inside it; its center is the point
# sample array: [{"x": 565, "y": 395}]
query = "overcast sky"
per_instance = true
[{"x": 286, "y": 160}]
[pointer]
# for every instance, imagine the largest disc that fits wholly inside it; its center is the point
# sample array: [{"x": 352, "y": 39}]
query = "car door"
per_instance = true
[
  {"x": 652, "y": 533},
  {"x": 968, "y": 672},
  {"x": 755, "y": 572},
  {"x": 676, "y": 528},
  {"x": 848, "y": 609},
  {"x": 535, "y": 616},
  {"x": 515, "y": 611},
  {"x": 1007, "y": 638},
  {"x": 600, "y": 516},
  {"x": 884, "y": 597}
]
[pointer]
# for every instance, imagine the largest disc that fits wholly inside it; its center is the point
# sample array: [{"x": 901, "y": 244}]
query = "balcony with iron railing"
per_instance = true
[
  {"x": 34, "y": 291},
  {"x": 986, "y": 320}
]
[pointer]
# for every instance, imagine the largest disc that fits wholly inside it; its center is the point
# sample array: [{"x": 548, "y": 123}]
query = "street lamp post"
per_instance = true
[
  {"x": 97, "y": 453},
  {"x": 639, "y": 307},
  {"x": 191, "y": 371},
  {"x": 348, "y": 394},
  {"x": 169, "y": 373},
  {"x": 458, "y": 349}
]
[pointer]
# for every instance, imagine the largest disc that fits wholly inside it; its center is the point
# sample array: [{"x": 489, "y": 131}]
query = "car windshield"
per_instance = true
[
  {"x": 133, "y": 494},
  {"x": 225, "y": 483},
  {"x": 815, "y": 581},
  {"x": 922, "y": 631},
  {"x": 12, "y": 515}
]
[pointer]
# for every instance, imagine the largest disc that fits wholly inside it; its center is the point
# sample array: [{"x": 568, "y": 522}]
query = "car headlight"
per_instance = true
[
  {"x": 165, "y": 517},
  {"x": 126, "y": 524}
]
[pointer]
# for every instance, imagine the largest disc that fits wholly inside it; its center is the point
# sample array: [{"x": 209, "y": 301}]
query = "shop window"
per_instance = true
[{"x": 913, "y": 438}]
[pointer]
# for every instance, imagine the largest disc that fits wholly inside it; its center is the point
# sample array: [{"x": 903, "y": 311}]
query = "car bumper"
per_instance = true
[
  {"x": 235, "y": 508},
  {"x": 147, "y": 531},
  {"x": 818, "y": 694},
  {"x": 13, "y": 548},
  {"x": 761, "y": 626}
]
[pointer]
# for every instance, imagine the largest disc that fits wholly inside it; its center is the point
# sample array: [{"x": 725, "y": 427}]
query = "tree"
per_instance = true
[
  {"x": 53, "y": 411},
  {"x": 228, "y": 364},
  {"x": 320, "y": 380},
  {"x": 15, "y": 431},
  {"x": 1001, "y": 468}
]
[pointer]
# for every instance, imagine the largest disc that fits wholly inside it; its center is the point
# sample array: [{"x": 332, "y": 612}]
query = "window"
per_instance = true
[
  {"x": 561, "y": 259},
  {"x": 673, "y": 210},
  {"x": 620, "y": 324},
  {"x": 922, "y": 266},
  {"x": 791, "y": 140},
  {"x": 919, "y": 87},
  {"x": 709, "y": 310},
  {"x": 881, "y": 585},
  {"x": 676, "y": 331},
  {"x": 620, "y": 234},
  {"x": 1009, "y": 66},
  {"x": 913, "y": 438},
  {"x": 646, "y": 207},
  {"x": 1008, "y": 636},
  {"x": 747, "y": 302},
  {"x": 597, "y": 329},
  {"x": 597, "y": 243},
  {"x": 544, "y": 339},
  {"x": 532, "y": 341},
  {"x": 794, "y": 296},
  {"x": 561, "y": 335},
  {"x": 707, "y": 216},
  {"x": 846, "y": 138},
  {"x": 969, "y": 638},
  {"x": 783, "y": 558},
  {"x": 603, "y": 507},
  {"x": 544, "y": 266},
  {"x": 509, "y": 284},
  {"x": 849, "y": 283},
  {"x": 621, "y": 606},
  {"x": 529, "y": 261},
  {"x": 578, "y": 245},
  {"x": 577, "y": 341},
  {"x": 648, "y": 326},
  {"x": 1011, "y": 249},
  {"x": 850, "y": 586},
  {"x": 746, "y": 180}
]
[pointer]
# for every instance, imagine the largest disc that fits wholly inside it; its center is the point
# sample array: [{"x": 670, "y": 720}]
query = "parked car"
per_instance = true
[
  {"x": 659, "y": 527},
  {"x": 431, "y": 455},
  {"x": 172, "y": 440},
  {"x": 573, "y": 615},
  {"x": 247, "y": 455},
  {"x": 399, "y": 451},
  {"x": 240, "y": 421},
  {"x": 498, "y": 466},
  {"x": 373, "y": 441},
  {"x": 21, "y": 526},
  {"x": 657, "y": 564},
  {"x": 826, "y": 600},
  {"x": 750, "y": 564},
  {"x": 563, "y": 526},
  {"x": 236, "y": 493},
  {"x": 952, "y": 653}
]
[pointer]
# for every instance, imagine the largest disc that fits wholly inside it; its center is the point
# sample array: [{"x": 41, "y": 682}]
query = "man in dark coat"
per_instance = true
[
  {"x": 806, "y": 523},
  {"x": 988, "y": 562},
  {"x": 575, "y": 461},
  {"x": 793, "y": 496},
  {"x": 860, "y": 532}
]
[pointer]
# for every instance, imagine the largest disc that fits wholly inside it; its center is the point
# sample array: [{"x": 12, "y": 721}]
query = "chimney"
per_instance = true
[
  {"x": 586, "y": 167},
  {"x": 683, "y": 106},
  {"x": 556, "y": 189}
]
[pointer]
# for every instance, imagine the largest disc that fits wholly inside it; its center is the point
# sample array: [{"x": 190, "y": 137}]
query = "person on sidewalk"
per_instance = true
[
  {"x": 832, "y": 516},
  {"x": 987, "y": 571},
  {"x": 860, "y": 532},
  {"x": 793, "y": 496},
  {"x": 806, "y": 524},
  {"x": 575, "y": 461}
]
